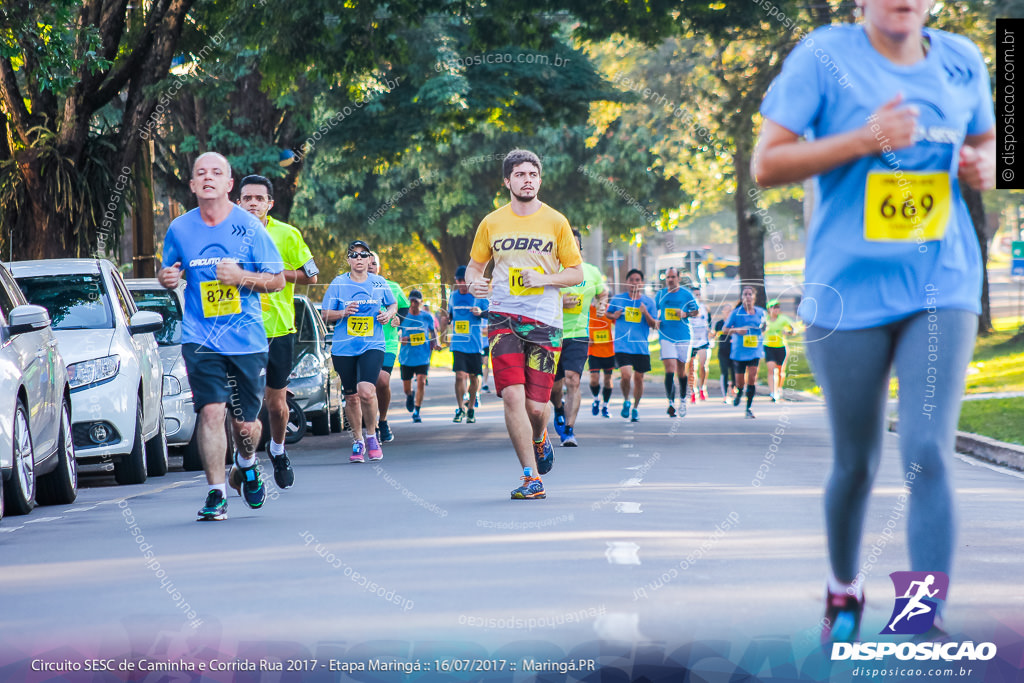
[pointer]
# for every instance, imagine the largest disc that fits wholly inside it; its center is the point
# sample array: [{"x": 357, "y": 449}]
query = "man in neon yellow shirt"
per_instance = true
[
  {"x": 575, "y": 341},
  {"x": 391, "y": 345},
  {"x": 257, "y": 197}
]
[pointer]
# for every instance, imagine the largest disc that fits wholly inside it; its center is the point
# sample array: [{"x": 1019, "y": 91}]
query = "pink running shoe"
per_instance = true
[
  {"x": 357, "y": 452},
  {"x": 373, "y": 448}
]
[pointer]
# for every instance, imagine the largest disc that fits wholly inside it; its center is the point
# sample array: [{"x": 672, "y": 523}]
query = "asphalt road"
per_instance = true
[{"x": 654, "y": 535}]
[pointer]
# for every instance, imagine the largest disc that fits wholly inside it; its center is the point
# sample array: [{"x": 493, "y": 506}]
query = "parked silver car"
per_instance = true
[
  {"x": 179, "y": 411},
  {"x": 314, "y": 382},
  {"x": 37, "y": 450}
]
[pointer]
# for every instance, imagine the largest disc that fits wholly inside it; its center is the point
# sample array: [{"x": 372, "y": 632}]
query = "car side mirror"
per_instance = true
[
  {"x": 145, "y": 321},
  {"x": 27, "y": 318}
]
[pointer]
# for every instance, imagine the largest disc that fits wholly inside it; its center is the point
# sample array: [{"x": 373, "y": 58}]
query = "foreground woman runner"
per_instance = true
[{"x": 893, "y": 264}]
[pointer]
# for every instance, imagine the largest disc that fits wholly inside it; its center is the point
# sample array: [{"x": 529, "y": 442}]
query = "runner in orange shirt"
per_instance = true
[{"x": 601, "y": 357}]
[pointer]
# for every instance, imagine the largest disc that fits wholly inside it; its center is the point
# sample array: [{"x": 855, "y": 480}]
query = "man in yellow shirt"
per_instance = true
[
  {"x": 257, "y": 197},
  {"x": 535, "y": 256}
]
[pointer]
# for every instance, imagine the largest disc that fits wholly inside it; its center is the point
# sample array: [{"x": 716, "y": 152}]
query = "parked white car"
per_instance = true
[
  {"x": 113, "y": 363},
  {"x": 37, "y": 455}
]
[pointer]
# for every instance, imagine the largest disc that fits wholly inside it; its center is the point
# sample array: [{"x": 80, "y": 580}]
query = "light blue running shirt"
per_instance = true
[{"x": 856, "y": 276}]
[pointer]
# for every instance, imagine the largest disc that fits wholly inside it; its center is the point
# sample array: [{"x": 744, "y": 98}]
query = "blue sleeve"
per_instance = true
[
  {"x": 795, "y": 97},
  {"x": 484, "y": 304},
  {"x": 654, "y": 313},
  {"x": 691, "y": 304},
  {"x": 266, "y": 258},
  {"x": 172, "y": 253},
  {"x": 331, "y": 298},
  {"x": 615, "y": 304},
  {"x": 451, "y": 308},
  {"x": 983, "y": 118},
  {"x": 731, "y": 322}
]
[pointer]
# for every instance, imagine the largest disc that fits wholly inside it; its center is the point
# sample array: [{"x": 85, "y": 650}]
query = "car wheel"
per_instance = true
[
  {"x": 320, "y": 424},
  {"x": 191, "y": 461},
  {"x": 296, "y": 427},
  {"x": 156, "y": 451},
  {"x": 730, "y": 271},
  {"x": 21, "y": 487},
  {"x": 131, "y": 468},
  {"x": 336, "y": 421},
  {"x": 60, "y": 487}
]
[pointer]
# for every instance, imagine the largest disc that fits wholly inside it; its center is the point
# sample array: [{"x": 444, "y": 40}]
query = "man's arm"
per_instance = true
[
  {"x": 567, "y": 277},
  {"x": 478, "y": 285}
]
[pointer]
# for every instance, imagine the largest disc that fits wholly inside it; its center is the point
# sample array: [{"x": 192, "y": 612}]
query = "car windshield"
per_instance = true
[
  {"x": 75, "y": 301},
  {"x": 165, "y": 303}
]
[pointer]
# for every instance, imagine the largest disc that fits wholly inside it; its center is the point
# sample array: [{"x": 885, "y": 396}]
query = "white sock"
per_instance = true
[
  {"x": 836, "y": 586},
  {"x": 222, "y": 487},
  {"x": 276, "y": 448},
  {"x": 245, "y": 462}
]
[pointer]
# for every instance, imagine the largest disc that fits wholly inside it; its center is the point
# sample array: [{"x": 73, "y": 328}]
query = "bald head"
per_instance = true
[
  {"x": 209, "y": 157},
  {"x": 211, "y": 178}
]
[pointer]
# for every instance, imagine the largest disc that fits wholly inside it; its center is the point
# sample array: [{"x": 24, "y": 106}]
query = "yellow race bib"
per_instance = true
[
  {"x": 750, "y": 341},
  {"x": 266, "y": 305},
  {"x": 673, "y": 314},
  {"x": 911, "y": 208},
  {"x": 633, "y": 314},
  {"x": 418, "y": 338},
  {"x": 576, "y": 308},
  {"x": 773, "y": 340},
  {"x": 515, "y": 282},
  {"x": 461, "y": 327},
  {"x": 602, "y": 336},
  {"x": 360, "y": 325},
  {"x": 219, "y": 299}
]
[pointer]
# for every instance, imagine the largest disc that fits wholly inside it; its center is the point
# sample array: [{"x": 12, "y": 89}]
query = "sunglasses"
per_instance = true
[{"x": 359, "y": 254}]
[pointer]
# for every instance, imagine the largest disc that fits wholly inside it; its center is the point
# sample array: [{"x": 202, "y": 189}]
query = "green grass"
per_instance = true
[
  {"x": 996, "y": 418},
  {"x": 998, "y": 364}
]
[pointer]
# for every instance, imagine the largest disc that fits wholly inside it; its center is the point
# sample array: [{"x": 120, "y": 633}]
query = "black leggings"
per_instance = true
[
  {"x": 355, "y": 369},
  {"x": 727, "y": 371}
]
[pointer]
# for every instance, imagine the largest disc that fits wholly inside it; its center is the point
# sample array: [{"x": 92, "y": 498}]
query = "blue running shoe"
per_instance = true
[
  {"x": 595, "y": 407},
  {"x": 216, "y": 507},
  {"x": 358, "y": 451},
  {"x": 625, "y": 410},
  {"x": 532, "y": 488},
  {"x": 842, "y": 618},
  {"x": 545, "y": 454},
  {"x": 416, "y": 415},
  {"x": 253, "y": 491},
  {"x": 384, "y": 429},
  {"x": 635, "y": 417},
  {"x": 604, "y": 412}
]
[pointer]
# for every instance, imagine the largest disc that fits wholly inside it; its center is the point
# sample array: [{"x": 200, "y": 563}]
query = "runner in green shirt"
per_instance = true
[
  {"x": 575, "y": 341},
  {"x": 257, "y": 197},
  {"x": 779, "y": 327},
  {"x": 384, "y": 433}
]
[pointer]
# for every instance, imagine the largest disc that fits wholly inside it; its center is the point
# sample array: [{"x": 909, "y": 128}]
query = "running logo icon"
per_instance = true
[{"x": 917, "y": 598}]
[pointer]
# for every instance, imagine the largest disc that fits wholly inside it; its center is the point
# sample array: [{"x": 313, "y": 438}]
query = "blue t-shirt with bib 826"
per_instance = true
[
  {"x": 222, "y": 318},
  {"x": 358, "y": 332},
  {"x": 631, "y": 328},
  {"x": 890, "y": 234},
  {"x": 466, "y": 336},
  {"x": 750, "y": 344},
  {"x": 673, "y": 309},
  {"x": 416, "y": 332}
]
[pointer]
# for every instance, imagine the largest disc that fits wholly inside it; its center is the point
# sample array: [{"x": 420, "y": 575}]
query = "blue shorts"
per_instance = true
[{"x": 237, "y": 381}]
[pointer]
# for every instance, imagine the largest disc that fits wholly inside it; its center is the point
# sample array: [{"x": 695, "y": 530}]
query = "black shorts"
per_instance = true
[
  {"x": 775, "y": 354},
  {"x": 355, "y": 369},
  {"x": 601, "y": 363},
  {"x": 472, "y": 363},
  {"x": 641, "y": 362},
  {"x": 279, "y": 360},
  {"x": 573, "y": 357},
  {"x": 237, "y": 381},
  {"x": 696, "y": 349},
  {"x": 408, "y": 371},
  {"x": 740, "y": 366}
]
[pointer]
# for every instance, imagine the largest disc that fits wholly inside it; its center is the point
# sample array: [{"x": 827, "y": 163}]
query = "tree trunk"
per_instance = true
[
  {"x": 976, "y": 205},
  {"x": 41, "y": 231},
  {"x": 749, "y": 231}
]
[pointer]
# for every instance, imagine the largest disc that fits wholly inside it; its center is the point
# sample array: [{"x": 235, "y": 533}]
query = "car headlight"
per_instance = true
[
  {"x": 92, "y": 371},
  {"x": 172, "y": 387},
  {"x": 308, "y": 366}
]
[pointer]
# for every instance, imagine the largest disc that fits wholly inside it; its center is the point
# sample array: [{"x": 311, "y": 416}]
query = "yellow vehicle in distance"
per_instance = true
[{"x": 700, "y": 263}]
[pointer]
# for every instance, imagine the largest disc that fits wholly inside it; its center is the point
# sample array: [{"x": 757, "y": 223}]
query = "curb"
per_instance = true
[{"x": 983, "y": 448}]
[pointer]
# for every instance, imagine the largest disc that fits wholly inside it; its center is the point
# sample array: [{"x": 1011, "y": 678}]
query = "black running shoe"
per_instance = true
[
  {"x": 737, "y": 398},
  {"x": 253, "y": 491},
  {"x": 470, "y": 416},
  {"x": 410, "y": 402},
  {"x": 284, "y": 475},
  {"x": 384, "y": 429}
]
